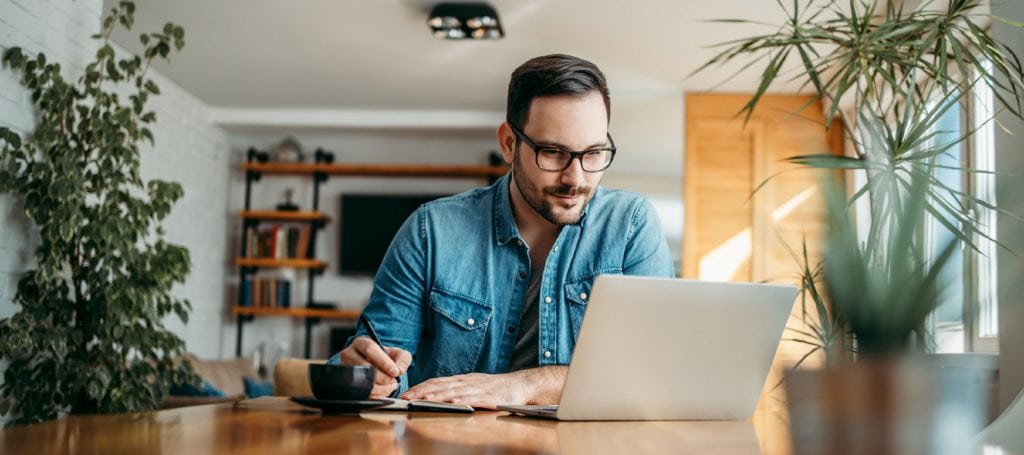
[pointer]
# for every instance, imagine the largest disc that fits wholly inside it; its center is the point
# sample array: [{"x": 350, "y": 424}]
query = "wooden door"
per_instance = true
[{"x": 731, "y": 232}]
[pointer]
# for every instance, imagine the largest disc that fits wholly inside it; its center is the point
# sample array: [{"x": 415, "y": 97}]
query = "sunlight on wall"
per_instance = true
[
  {"x": 789, "y": 206},
  {"x": 723, "y": 262}
]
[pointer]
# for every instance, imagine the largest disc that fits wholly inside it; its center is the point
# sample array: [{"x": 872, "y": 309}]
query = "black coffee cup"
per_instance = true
[{"x": 341, "y": 382}]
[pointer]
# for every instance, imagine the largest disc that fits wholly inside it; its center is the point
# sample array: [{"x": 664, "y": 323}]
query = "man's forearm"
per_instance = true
[{"x": 543, "y": 385}]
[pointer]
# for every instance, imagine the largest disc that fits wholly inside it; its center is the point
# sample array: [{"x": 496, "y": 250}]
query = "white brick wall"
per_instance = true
[
  {"x": 189, "y": 149},
  {"x": 192, "y": 151},
  {"x": 61, "y": 29}
]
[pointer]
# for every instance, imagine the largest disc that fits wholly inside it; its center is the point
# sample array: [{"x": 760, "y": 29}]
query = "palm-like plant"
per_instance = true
[
  {"x": 823, "y": 330},
  {"x": 890, "y": 74},
  {"x": 883, "y": 291}
]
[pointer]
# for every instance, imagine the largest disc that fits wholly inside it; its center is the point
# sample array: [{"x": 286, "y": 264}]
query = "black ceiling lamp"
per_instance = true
[{"x": 477, "y": 21}]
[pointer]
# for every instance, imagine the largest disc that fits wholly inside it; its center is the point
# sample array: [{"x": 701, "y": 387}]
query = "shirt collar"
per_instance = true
[{"x": 505, "y": 229}]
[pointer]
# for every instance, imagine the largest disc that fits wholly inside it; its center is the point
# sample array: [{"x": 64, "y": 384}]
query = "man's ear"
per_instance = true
[{"x": 507, "y": 142}]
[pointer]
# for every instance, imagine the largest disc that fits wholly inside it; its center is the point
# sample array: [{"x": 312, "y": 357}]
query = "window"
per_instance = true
[{"x": 966, "y": 319}]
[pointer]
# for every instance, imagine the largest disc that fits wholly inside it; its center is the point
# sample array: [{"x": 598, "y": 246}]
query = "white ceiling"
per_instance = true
[{"x": 379, "y": 54}]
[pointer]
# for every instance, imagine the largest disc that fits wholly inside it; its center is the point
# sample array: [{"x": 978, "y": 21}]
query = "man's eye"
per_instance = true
[{"x": 552, "y": 152}]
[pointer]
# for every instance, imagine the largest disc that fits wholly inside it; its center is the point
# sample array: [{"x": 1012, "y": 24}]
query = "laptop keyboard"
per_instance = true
[{"x": 541, "y": 409}]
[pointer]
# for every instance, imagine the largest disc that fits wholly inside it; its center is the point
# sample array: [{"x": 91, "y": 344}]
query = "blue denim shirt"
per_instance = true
[{"x": 451, "y": 287}]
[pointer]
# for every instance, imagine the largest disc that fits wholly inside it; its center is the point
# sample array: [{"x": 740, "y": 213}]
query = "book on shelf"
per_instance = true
[
  {"x": 246, "y": 290},
  {"x": 266, "y": 292},
  {"x": 277, "y": 241},
  {"x": 302, "y": 243}
]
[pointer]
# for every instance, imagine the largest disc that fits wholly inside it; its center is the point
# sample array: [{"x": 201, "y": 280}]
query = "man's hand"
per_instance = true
[
  {"x": 486, "y": 391},
  {"x": 389, "y": 365}
]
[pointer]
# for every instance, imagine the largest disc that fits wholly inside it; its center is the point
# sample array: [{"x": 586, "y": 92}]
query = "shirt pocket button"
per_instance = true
[{"x": 470, "y": 321}]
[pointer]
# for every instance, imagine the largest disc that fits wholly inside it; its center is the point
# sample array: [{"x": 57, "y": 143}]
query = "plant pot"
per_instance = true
[{"x": 893, "y": 406}]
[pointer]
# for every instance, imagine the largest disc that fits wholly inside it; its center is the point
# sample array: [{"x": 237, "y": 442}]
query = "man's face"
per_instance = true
[{"x": 572, "y": 122}]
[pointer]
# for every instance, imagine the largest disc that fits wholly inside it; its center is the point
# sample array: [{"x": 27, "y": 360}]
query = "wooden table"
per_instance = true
[{"x": 275, "y": 425}]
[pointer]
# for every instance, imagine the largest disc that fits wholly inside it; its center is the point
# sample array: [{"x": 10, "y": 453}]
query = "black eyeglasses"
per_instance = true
[{"x": 557, "y": 159}]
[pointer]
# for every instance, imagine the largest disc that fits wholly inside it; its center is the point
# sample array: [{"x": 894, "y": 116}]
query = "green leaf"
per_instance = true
[
  {"x": 13, "y": 57},
  {"x": 828, "y": 161},
  {"x": 151, "y": 87},
  {"x": 10, "y": 137}
]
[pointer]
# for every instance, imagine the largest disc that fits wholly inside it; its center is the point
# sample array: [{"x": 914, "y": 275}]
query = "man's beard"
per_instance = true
[{"x": 543, "y": 206}]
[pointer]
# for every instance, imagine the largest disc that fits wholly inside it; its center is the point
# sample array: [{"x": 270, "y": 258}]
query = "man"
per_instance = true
[{"x": 480, "y": 297}]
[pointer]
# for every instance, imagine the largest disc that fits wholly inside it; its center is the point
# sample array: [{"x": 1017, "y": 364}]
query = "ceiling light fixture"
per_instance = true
[{"x": 476, "y": 21}]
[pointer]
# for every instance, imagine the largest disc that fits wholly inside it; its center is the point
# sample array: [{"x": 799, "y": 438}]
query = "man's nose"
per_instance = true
[{"x": 573, "y": 175}]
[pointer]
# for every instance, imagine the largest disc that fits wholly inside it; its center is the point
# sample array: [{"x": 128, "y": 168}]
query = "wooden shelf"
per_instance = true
[
  {"x": 282, "y": 168},
  {"x": 378, "y": 170},
  {"x": 278, "y": 263},
  {"x": 254, "y": 169},
  {"x": 300, "y": 312},
  {"x": 277, "y": 215}
]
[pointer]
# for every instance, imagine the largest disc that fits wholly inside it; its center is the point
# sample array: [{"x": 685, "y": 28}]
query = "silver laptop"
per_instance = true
[{"x": 671, "y": 349}]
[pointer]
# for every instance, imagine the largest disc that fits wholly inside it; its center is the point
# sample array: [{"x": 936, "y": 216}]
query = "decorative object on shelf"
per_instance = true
[
  {"x": 288, "y": 151},
  {"x": 89, "y": 336},
  {"x": 288, "y": 205},
  {"x": 891, "y": 74},
  {"x": 323, "y": 156}
]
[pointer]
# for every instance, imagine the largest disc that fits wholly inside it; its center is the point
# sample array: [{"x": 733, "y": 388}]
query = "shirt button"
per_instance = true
[
  {"x": 555, "y": 249},
  {"x": 547, "y": 354},
  {"x": 519, "y": 242},
  {"x": 470, "y": 321},
  {"x": 583, "y": 296},
  {"x": 522, "y": 275},
  {"x": 547, "y": 299}
]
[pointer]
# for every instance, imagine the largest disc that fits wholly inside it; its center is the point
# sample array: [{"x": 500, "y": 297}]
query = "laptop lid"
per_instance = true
[{"x": 673, "y": 349}]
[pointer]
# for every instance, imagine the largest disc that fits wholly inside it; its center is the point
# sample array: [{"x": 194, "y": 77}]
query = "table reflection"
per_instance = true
[{"x": 275, "y": 425}]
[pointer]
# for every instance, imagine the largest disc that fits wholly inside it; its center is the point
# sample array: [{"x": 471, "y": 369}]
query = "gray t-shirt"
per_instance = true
[{"x": 524, "y": 354}]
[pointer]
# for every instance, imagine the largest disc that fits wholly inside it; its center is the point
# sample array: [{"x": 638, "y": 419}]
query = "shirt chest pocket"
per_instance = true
[
  {"x": 460, "y": 326},
  {"x": 577, "y": 293}
]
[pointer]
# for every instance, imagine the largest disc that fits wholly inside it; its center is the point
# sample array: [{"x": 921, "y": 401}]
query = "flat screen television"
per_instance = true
[{"x": 368, "y": 224}]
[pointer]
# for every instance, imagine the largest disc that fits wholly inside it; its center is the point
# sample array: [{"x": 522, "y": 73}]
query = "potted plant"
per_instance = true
[
  {"x": 889, "y": 73},
  {"x": 89, "y": 335}
]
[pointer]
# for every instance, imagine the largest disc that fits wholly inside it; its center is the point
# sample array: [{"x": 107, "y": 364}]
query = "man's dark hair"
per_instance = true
[{"x": 552, "y": 75}]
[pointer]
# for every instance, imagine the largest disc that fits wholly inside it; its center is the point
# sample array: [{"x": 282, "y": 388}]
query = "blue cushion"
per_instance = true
[
  {"x": 189, "y": 390},
  {"x": 256, "y": 388}
]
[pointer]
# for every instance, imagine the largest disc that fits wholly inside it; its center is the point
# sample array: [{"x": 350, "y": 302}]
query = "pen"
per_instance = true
[
  {"x": 373, "y": 333},
  {"x": 376, "y": 339}
]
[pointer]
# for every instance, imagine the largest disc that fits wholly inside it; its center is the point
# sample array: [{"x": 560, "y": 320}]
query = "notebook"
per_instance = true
[{"x": 424, "y": 405}]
